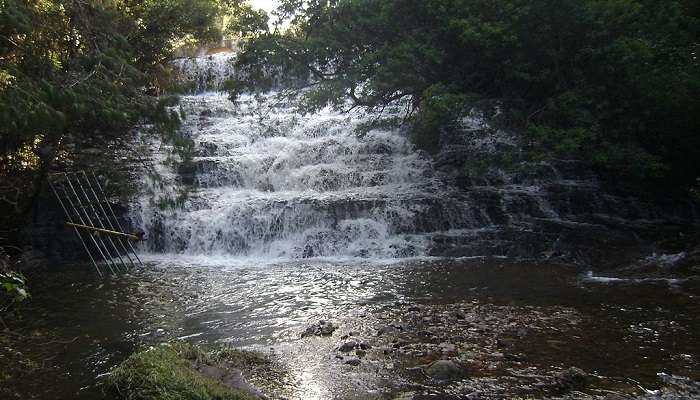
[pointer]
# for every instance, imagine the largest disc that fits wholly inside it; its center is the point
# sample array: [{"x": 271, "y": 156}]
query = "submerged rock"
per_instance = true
[
  {"x": 571, "y": 379},
  {"x": 445, "y": 370},
  {"x": 350, "y": 345},
  {"x": 354, "y": 362},
  {"x": 322, "y": 328}
]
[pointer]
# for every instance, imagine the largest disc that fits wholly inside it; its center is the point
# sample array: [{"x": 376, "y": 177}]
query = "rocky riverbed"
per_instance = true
[{"x": 448, "y": 329}]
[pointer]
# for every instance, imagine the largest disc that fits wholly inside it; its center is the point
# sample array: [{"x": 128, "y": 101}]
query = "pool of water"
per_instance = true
[{"x": 624, "y": 332}]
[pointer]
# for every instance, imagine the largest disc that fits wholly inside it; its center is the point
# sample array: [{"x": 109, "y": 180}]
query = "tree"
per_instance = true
[{"x": 614, "y": 82}]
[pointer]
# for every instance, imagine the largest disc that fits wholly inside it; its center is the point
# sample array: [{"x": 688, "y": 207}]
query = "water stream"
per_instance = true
[{"x": 514, "y": 325}]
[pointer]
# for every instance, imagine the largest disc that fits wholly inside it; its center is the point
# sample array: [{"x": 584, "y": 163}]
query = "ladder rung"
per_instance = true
[{"x": 106, "y": 231}]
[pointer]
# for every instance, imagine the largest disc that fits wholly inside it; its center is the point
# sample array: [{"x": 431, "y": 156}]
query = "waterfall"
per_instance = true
[
  {"x": 203, "y": 73},
  {"x": 267, "y": 182}
]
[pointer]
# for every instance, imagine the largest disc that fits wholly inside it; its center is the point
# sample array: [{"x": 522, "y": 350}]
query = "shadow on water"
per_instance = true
[{"x": 78, "y": 327}]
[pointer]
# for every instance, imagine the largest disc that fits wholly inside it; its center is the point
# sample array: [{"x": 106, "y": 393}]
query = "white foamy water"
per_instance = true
[
  {"x": 202, "y": 73},
  {"x": 268, "y": 183}
]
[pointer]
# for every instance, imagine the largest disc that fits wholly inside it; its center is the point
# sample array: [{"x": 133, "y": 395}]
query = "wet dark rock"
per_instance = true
[
  {"x": 506, "y": 342},
  {"x": 616, "y": 396},
  {"x": 365, "y": 346},
  {"x": 675, "y": 388},
  {"x": 445, "y": 370},
  {"x": 570, "y": 379},
  {"x": 49, "y": 242},
  {"x": 348, "y": 346},
  {"x": 322, "y": 328},
  {"x": 354, "y": 362},
  {"x": 385, "y": 330},
  {"x": 515, "y": 357},
  {"x": 552, "y": 209}
]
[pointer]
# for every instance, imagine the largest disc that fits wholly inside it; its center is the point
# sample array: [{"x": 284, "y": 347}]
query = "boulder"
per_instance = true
[
  {"x": 348, "y": 346},
  {"x": 445, "y": 370}
]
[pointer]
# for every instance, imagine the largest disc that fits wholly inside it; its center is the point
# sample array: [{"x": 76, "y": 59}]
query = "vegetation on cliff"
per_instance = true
[{"x": 613, "y": 82}]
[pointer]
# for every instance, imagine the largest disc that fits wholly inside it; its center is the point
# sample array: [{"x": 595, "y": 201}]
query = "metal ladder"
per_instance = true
[{"x": 90, "y": 214}]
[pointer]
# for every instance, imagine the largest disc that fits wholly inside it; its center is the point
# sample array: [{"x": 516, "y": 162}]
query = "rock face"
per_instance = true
[
  {"x": 49, "y": 240},
  {"x": 552, "y": 209}
]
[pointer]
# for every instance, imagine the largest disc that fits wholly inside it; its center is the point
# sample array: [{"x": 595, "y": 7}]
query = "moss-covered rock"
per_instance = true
[{"x": 179, "y": 371}]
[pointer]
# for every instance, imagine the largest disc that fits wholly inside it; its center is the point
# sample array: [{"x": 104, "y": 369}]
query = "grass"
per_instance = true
[{"x": 169, "y": 372}]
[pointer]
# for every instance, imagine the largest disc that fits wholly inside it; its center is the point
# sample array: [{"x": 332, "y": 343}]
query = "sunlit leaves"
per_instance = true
[{"x": 247, "y": 22}]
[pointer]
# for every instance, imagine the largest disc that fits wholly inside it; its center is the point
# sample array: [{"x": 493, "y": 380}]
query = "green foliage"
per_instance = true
[
  {"x": 170, "y": 372},
  {"x": 614, "y": 82},
  {"x": 13, "y": 289},
  {"x": 247, "y": 21},
  {"x": 73, "y": 83},
  {"x": 439, "y": 108}
]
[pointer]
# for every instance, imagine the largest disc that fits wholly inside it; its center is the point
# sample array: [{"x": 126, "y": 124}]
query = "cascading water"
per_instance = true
[{"x": 267, "y": 182}]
